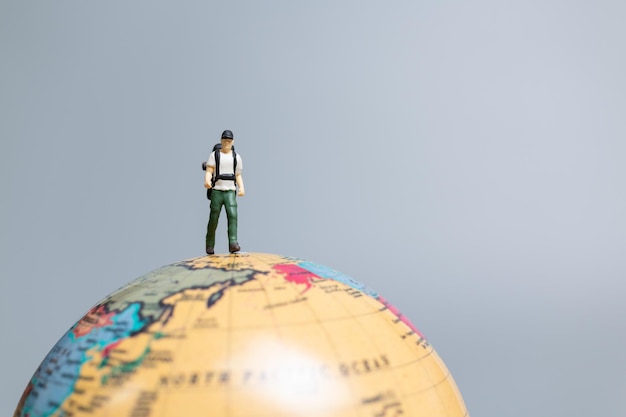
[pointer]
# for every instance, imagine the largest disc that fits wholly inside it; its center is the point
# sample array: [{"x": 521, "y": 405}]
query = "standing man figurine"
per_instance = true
[{"x": 223, "y": 176}]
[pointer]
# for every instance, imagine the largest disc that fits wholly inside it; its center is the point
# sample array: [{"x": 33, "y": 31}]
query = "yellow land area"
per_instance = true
[
  {"x": 268, "y": 348},
  {"x": 261, "y": 262}
]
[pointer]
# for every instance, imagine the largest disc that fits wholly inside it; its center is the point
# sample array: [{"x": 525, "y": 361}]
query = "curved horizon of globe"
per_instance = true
[
  {"x": 68, "y": 355},
  {"x": 329, "y": 273},
  {"x": 273, "y": 294},
  {"x": 322, "y": 271}
]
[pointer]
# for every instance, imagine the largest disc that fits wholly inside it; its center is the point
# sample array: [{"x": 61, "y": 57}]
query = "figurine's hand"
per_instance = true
[
  {"x": 207, "y": 184},
  {"x": 241, "y": 192}
]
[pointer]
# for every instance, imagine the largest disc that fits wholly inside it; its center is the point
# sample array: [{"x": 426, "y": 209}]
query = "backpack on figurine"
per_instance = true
[{"x": 216, "y": 172}]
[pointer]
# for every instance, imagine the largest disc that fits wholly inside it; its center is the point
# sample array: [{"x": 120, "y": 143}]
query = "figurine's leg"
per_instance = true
[
  {"x": 230, "y": 204},
  {"x": 216, "y": 207}
]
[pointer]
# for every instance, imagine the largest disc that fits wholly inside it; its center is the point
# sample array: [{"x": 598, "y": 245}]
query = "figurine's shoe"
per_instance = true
[
  {"x": 234, "y": 247},
  {"x": 209, "y": 250}
]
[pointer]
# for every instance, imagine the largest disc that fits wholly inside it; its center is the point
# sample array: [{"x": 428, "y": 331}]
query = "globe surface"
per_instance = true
[{"x": 245, "y": 335}]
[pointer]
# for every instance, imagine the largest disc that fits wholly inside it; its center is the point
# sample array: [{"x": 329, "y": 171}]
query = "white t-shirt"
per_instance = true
[{"x": 226, "y": 167}]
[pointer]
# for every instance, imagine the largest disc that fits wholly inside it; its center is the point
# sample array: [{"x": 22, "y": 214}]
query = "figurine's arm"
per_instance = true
[
  {"x": 242, "y": 190},
  {"x": 208, "y": 176}
]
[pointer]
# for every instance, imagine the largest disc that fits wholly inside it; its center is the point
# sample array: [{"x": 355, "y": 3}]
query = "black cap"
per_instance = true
[{"x": 227, "y": 134}]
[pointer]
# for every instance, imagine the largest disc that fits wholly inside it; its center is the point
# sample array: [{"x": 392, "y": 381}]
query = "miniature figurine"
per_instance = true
[{"x": 222, "y": 179}]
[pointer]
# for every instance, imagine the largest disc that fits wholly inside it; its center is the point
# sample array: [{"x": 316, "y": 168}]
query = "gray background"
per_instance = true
[{"x": 465, "y": 159}]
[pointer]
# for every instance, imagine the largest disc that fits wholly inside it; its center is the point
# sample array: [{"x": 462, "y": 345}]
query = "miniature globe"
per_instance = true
[{"x": 243, "y": 335}]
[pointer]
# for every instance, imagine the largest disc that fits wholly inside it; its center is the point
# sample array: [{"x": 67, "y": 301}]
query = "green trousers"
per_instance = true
[{"x": 229, "y": 201}]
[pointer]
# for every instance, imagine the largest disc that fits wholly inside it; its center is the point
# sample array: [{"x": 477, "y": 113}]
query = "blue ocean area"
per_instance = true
[
  {"x": 329, "y": 273},
  {"x": 55, "y": 378}
]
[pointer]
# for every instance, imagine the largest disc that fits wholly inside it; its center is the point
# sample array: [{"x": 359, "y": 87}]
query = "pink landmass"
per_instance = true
[
  {"x": 400, "y": 316},
  {"x": 96, "y": 317},
  {"x": 108, "y": 348},
  {"x": 297, "y": 275}
]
